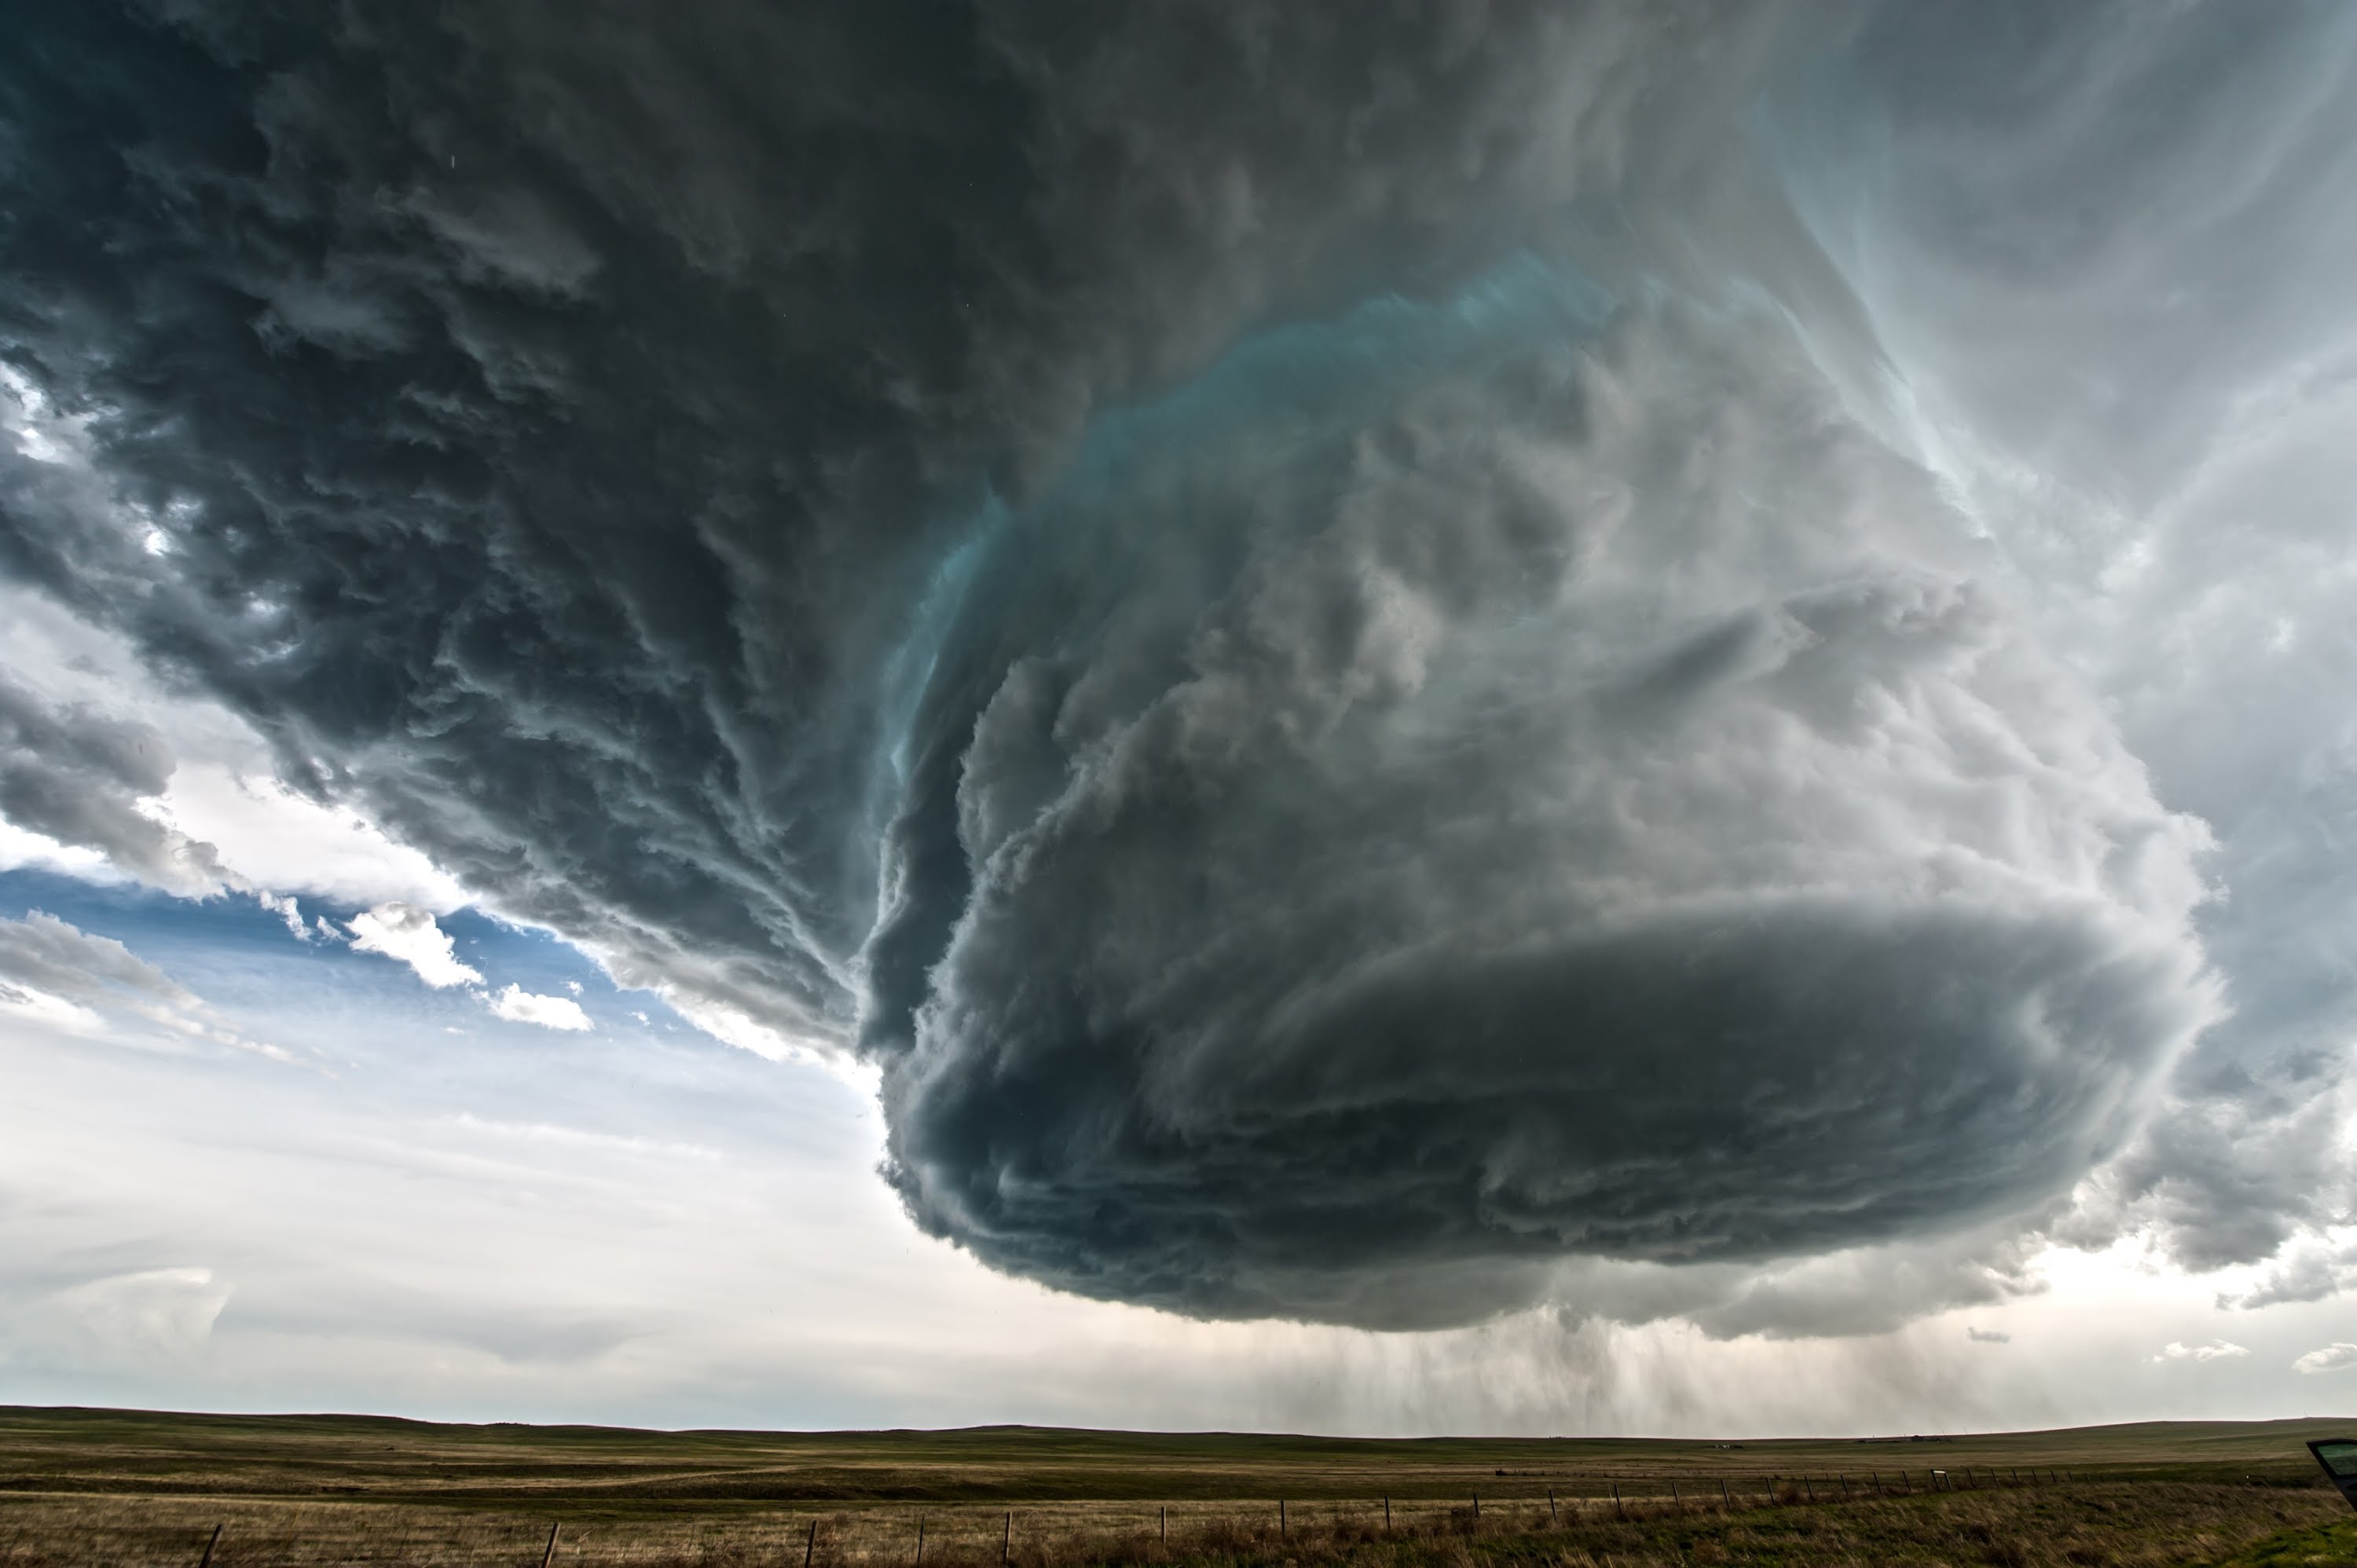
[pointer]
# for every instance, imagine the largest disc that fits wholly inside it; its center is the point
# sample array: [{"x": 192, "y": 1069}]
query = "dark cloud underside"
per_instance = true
[{"x": 1276, "y": 610}]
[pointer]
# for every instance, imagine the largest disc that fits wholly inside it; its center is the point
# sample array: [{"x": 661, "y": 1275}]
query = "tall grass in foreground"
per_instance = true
[{"x": 2099, "y": 1525}]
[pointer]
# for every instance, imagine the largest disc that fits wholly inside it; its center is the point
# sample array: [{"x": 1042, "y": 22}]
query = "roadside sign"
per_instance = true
[{"x": 2339, "y": 1457}]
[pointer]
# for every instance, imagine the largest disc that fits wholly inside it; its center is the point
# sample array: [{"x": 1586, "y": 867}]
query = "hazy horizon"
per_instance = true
[{"x": 1506, "y": 717}]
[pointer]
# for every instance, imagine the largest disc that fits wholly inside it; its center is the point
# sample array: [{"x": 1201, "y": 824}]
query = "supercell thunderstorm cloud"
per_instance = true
[{"x": 1370, "y": 655}]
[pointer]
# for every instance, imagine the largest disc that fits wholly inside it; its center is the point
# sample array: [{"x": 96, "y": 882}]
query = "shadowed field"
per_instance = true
[{"x": 103, "y": 1487}]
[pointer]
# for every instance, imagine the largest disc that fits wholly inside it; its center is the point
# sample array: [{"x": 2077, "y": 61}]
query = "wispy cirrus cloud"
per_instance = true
[{"x": 62, "y": 975}]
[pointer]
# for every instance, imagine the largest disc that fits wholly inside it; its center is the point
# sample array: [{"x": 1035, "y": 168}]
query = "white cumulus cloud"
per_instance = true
[
  {"x": 290, "y": 911},
  {"x": 2335, "y": 1358},
  {"x": 518, "y": 1005},
  {"x": 2215, "y": 1350},
  {"x": 407, "y": 934}
]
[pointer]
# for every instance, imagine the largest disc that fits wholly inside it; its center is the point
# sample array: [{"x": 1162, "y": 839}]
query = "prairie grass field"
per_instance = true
[{"x": 106, "y": 1487}]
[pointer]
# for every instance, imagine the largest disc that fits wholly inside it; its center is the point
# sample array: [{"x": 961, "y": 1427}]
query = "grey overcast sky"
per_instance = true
[{"x": 1469, "y": 716}]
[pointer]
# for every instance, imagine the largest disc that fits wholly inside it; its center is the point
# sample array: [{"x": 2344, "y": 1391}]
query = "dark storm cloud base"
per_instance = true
[
  {"x": 1262, "y": 607},
  {"x": 1387, "y": 876}
]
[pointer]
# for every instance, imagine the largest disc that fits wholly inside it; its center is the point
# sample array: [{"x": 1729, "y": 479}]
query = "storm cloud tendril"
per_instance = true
[{"x": 1315, "y": 632}]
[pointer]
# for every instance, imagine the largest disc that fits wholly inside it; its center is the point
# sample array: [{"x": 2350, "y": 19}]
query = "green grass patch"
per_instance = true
[{"x": 2333, "y": 1543}]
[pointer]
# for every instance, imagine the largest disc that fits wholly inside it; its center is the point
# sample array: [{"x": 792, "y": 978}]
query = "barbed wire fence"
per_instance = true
[{"x": 1060, "y": 1533}]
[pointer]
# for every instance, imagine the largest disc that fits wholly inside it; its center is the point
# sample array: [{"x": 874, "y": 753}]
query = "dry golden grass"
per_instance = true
[
  {"x": 2112, "y": 1524},
  {"x": 373, "y": 1457},
  {"x": 89, "y": 1487}
]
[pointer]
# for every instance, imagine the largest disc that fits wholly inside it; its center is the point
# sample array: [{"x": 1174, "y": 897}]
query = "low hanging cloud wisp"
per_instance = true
[{"x": 1366, "y": 663}]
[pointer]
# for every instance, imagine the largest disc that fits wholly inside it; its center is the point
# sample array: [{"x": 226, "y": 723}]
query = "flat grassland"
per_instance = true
[{"x": 79, "y": 1487}]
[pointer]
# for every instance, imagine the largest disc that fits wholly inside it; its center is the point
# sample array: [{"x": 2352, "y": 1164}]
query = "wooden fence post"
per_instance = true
[
  {"x": 206, "y": 1561},
  {"x": 1617, "y": 1511},
  {"x": 811, "y": 1545},
  {"x": 1724, "y": 1494},
  {"x": 549, "y": 1556},
  {"x": 920, "y": 1542},
  {"x": 1808, "y": 1488},
  {"x": 1387, "y": 1514},
  {"x": 1006, "y": 1539},
  {"x": 1280, "y": 1517},
  {"x": 1555, "y": 1515},
  {"x": 1165, "y": 1524},
  {"x": 1674, "y": 1490}
]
